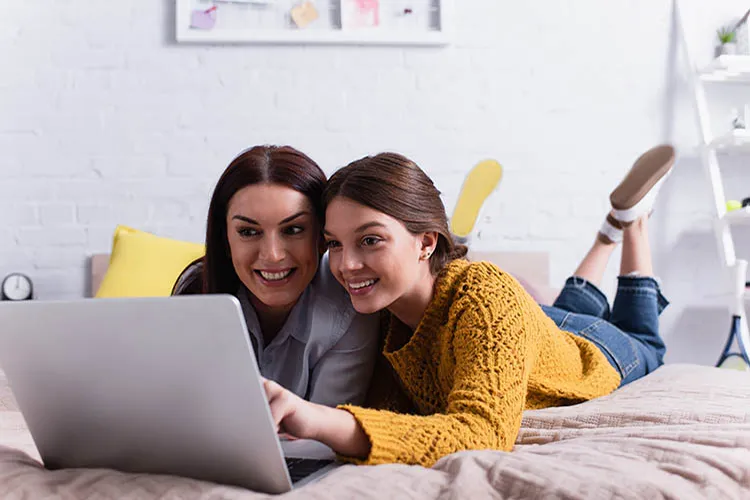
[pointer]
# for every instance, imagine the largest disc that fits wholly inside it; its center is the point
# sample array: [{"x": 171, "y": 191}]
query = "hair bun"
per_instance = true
[{"x": 459, "y": 252}]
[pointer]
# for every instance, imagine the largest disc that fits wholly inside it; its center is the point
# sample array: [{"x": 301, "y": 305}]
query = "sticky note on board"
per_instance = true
[
  {"x": 304, "y": 14},
  {"x": 202, "y": 19}
]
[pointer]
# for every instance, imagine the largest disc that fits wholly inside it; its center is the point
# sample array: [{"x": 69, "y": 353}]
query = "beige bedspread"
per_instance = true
[{"x": 681, "y": 433}]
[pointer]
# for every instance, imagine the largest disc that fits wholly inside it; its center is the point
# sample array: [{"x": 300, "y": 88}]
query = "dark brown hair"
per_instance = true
[
  {"x": 395, "y": 185},
  {"x": 282, "y": 165}
]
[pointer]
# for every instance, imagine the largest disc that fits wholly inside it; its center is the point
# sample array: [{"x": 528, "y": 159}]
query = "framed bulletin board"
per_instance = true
[{"x": 362, "y": 22}]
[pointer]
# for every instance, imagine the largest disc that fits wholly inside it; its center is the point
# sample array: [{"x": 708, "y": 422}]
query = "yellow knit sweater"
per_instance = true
[{"x": 483, "y": 352}]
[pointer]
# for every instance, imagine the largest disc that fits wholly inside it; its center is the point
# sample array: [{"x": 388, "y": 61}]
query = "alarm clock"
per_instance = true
[{"x": 16, "y": 286}]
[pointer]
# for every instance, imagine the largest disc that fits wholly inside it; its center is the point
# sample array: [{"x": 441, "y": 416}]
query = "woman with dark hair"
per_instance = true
[
  {"x": 468, "y": 350},
  {"x": 264, "y": 246}
]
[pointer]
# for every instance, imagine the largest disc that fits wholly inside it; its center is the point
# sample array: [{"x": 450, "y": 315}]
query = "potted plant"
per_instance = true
[{"x": 727, "y": 40}]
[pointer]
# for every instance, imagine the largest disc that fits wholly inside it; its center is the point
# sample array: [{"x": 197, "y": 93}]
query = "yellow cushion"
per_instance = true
[
  {"x": 145, "y": 265},
  {"x": 478, "y": 185}
]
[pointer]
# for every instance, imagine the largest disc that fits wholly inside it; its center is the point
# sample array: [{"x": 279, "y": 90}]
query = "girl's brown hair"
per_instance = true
[{"x": 394, "y": 185}]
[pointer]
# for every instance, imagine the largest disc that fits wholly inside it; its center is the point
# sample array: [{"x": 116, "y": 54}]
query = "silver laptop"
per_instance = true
[{"x": 149, "y": 385}]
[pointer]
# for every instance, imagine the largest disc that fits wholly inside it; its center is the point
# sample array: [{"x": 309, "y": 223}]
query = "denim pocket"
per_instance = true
[
  {"x": 617, "y": 344},
  {"x": 618, "y": 347}
]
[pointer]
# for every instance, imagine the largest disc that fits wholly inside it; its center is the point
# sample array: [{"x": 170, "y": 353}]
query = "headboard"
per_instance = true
[
  {"x": 532, "y": 267},
  {"x": 98, "y": 264}
]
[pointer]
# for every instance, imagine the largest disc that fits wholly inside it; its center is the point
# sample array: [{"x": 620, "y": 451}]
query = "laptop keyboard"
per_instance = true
[{"x": 300, "y": 468}]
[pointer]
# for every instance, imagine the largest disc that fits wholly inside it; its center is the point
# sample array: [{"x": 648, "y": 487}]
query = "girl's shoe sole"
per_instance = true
[
  {"x": 479, "y": 184},
  {"x": 648, "y": 169}
]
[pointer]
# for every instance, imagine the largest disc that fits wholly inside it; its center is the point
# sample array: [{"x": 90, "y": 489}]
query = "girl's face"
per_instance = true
[
  {"x": 274, "y": 240},
  {"x": 372, "y": 255}
]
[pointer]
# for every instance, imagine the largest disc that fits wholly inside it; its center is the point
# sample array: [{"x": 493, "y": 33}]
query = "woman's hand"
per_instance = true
[
  {"x": 291, "y": 414},
  {"x": 337, "y": 429}
]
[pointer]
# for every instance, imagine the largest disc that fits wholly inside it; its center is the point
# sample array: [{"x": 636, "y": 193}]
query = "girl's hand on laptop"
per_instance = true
[
  {"x": 292, "y": 415},
  {"x": 337, "y": 429}
]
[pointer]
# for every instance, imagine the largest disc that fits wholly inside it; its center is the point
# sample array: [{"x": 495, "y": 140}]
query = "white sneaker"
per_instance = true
[{"x": 634, "y": 197}]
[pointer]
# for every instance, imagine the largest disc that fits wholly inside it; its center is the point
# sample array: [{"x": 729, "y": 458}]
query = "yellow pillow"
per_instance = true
[{"x": 145, "y": 265}]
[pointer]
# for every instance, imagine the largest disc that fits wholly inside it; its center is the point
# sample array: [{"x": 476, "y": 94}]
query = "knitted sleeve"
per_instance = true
[{"x": 493, "y": 358}]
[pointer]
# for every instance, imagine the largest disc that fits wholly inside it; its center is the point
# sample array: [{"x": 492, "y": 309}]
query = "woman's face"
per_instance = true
[
  {"x": 372, "y": 255},
  {"x": 274, "y": 240}
]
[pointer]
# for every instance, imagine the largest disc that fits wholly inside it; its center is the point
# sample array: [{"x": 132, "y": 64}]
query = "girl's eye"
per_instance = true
[
  {"x": 247, "y": 232},
  {"x": 292, "y": 230},
  {"x": 369, "y": 241},
  {"x": 332, "y": 244}
]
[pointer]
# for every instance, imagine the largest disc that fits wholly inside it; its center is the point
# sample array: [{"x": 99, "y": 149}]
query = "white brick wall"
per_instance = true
[{"x": 105, "y": 120}]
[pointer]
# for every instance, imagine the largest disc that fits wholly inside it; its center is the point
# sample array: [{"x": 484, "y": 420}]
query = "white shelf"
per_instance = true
[
  {"x": 431, "y": 25},
  {"x": 735, "y": 141},
  {"x": 314, "y": 37},
  {"x": 719, "y": 300},
  {"x": 727, "y": 69},
  {"x": 739, "y": 217}
]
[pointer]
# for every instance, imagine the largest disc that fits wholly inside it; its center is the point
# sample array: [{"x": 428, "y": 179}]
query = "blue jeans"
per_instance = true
[{"x": 628, "y": 334}]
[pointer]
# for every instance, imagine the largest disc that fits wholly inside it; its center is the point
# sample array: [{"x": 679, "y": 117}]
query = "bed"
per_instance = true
[{"x": 683, "y": 432}]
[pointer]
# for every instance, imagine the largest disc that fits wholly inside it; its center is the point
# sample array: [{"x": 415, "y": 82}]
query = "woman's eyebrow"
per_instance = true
[
  {"x": 292, "y": 217},
  {"x": 245, "y": 219},
  {"x": 253, "y": 221}
]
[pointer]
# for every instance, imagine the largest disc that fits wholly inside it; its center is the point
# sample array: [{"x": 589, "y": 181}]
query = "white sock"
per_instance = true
[{"x": 611, "y": 232}]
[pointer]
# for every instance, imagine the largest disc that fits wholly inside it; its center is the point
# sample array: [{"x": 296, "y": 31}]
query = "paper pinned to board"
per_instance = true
[
  {"x": 258, "y": 2},
  {"x": 357, "y": 14},
  {"x": 304, "y": 14},
  {"x": 203, "y": 19}
]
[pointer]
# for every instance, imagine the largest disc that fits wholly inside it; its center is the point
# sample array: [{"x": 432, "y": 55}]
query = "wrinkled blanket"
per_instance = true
[{"x": 682, "y": 433}]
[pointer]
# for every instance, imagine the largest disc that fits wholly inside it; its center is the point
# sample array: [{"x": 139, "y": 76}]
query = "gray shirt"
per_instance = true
[{"x": 325, "y": 352}]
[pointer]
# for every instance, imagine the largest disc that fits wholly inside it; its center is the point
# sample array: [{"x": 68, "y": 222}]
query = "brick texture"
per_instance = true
[{"x": 104, "y": 119}]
